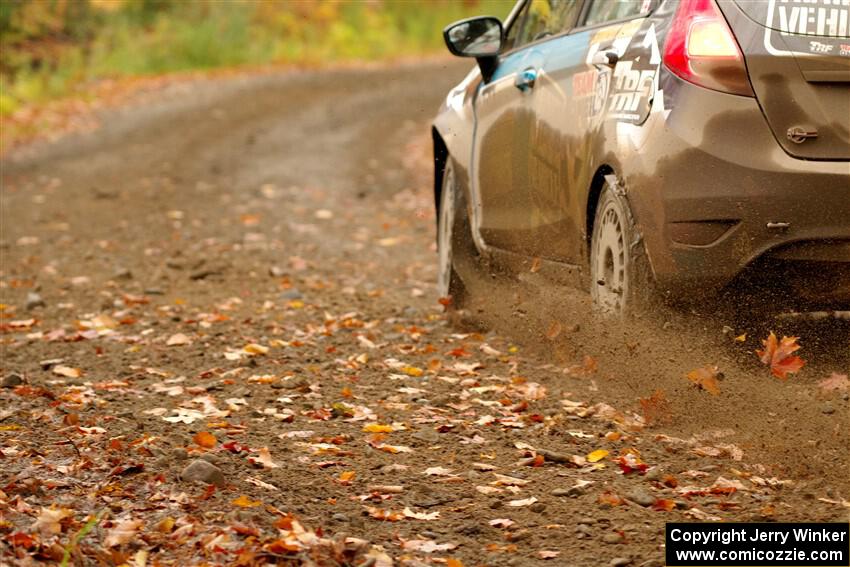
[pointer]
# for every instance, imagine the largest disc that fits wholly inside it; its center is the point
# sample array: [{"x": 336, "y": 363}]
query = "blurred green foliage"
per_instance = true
[{"x": 50, "y": 48}]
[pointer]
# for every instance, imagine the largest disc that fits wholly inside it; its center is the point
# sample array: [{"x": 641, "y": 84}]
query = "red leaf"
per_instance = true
[{"x": 779, "y": 356}]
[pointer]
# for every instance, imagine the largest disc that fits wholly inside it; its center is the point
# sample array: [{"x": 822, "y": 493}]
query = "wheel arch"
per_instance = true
[
  {"x": 597, "y": 184},
  {"x": 441, "y": 156}
]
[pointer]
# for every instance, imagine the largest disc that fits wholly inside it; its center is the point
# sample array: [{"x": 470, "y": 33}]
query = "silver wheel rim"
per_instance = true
[
  {"x": 444, "y": 234},
  {"x": 610, "y": 258}
]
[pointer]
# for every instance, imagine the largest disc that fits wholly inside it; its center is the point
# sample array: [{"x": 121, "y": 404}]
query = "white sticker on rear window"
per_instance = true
[{"x": 793, "y": 20}]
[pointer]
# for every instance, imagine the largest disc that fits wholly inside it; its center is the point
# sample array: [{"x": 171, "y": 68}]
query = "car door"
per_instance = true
[
  {"x": 504, "y": 128},
  {"x": 572, "y": 101}
]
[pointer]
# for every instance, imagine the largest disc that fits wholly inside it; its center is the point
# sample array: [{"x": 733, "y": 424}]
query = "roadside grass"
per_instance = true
[{"x": 128, "y": 38}]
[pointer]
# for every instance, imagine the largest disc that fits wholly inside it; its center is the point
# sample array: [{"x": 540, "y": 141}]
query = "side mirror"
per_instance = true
[{"x": 475, "y": 37}]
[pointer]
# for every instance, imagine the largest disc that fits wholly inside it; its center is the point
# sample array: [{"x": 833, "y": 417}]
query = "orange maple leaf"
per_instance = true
[
  {"x": 706, "y": 379},
  {"x": 205, "y": 439},
  {"x": 779, "y": 355}
]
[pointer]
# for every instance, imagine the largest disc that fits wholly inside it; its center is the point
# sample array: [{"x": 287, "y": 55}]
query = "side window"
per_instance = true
[
  {"x": 602, "y": 11},
  {"x": 542, "y": 18}
]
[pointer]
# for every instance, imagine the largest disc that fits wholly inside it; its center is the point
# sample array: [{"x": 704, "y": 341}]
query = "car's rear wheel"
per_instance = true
[
  {"x": 621, "y": 278},
  {"x": 454, "y": 240}
]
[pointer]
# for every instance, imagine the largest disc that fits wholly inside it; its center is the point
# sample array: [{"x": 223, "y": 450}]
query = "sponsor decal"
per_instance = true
[
  {"x": 634, "y": 81},
  {"x": 811, "y": 17},
  {"x": 631, "y": 87},
  {"x": 818, "y": 47},
  {"x": 793, "y": 20},
  {"x": 844, "y": 49}
]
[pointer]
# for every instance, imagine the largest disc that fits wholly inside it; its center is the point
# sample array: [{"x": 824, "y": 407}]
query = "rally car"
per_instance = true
[{"x": 651, "y": 148}]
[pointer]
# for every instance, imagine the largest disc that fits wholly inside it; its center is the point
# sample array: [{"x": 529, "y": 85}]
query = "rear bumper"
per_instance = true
[{"x": 717, "y": 196}]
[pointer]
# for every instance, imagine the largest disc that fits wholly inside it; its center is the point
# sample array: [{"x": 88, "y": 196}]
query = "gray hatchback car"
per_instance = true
[{"x": 639, "y": 148}]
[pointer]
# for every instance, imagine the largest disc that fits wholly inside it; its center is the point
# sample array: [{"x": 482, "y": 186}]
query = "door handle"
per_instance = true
[
  {"x": 608, "y": 57},
  {"x": 525, "y": 80}
]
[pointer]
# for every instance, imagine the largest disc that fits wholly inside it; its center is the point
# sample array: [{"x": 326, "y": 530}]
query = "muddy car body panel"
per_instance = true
[{"x": 718, "y": 183}]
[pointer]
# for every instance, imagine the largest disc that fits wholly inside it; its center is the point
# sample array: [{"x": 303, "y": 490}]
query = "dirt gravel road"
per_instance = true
[{"x": 221, "y": 339}]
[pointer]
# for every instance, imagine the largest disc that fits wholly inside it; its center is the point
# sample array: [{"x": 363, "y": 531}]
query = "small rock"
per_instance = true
[
  {"x": 122, "y": 274},
  {"x": 11, "y": 381},
  {"x": 34, "y": 300},
  {"x": 276, "y": 271},
  {"x": 575, "y": 491},
  {"x": 162, "y": 462},
  {"x": 620, "y": 562},
  {"x": 612, "y": 537},
  {"x": 827, "y": 409},
  {"x": 641, "y": 496},
  {"x": 203, "y": 471},
  {"x": 211, "y": 458},
  {"x": 586, "y": 520},
  {"x": 560, "y": 492},
  {"x": 339, "y": 518},
  {"x": 291, "y": 294},
  {"x": 179, "y": 454},
  {"x": 496, "y": 504},
  {"x": 584, "y": 529},
  {"x": 537, "y": 507},
  {"x": 653, "y": 474}
]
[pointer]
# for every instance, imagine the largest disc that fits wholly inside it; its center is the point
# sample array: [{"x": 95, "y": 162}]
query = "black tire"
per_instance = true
[
  {"x": 455, "y": 248},
  {"x": 621, "y": 280}
]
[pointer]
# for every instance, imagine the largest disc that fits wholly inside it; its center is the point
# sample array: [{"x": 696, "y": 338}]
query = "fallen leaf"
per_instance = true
[
  {"x": 378, "y": 428},
  {"x": 706, "y": 379},
  {"x": 346, "y": 477},
  {"x": 610, "y": 499},
  {"x": 255, "y": 349},
  {"x": 597, "y": 455},
  {"x": 178, "y": 339},
  {"x": 205, "y": 439},
  {"x": 501, "y": 523},
  {"x": 664, "y": 505},
  {"x": 386, "y": 515},
  {"x": 437, "y": 471},
  {"x": 260, "y": 483},
  {"x": 49, "y": 520},
  {"x": 426, "y": 545},
  {"x": 778, "y": 354},
  {"x": 392, "y": 448},
  {"x": 67, "y": 371},
  {"x": 548, "y": 554},
  {"x": 523, "y": 502},
  {"x": 408, "y": 513},
  {"x": 244, "y": 501},
  {"x": 122, "y": 533},
  {"x": 263, "y": 458}
]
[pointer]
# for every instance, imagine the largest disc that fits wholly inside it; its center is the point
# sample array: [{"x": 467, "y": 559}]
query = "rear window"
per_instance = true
[{"x": 602, "y": 11}]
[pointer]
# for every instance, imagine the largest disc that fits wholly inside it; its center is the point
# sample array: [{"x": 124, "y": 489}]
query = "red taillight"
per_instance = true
[{"x": 701, "y": 49}]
